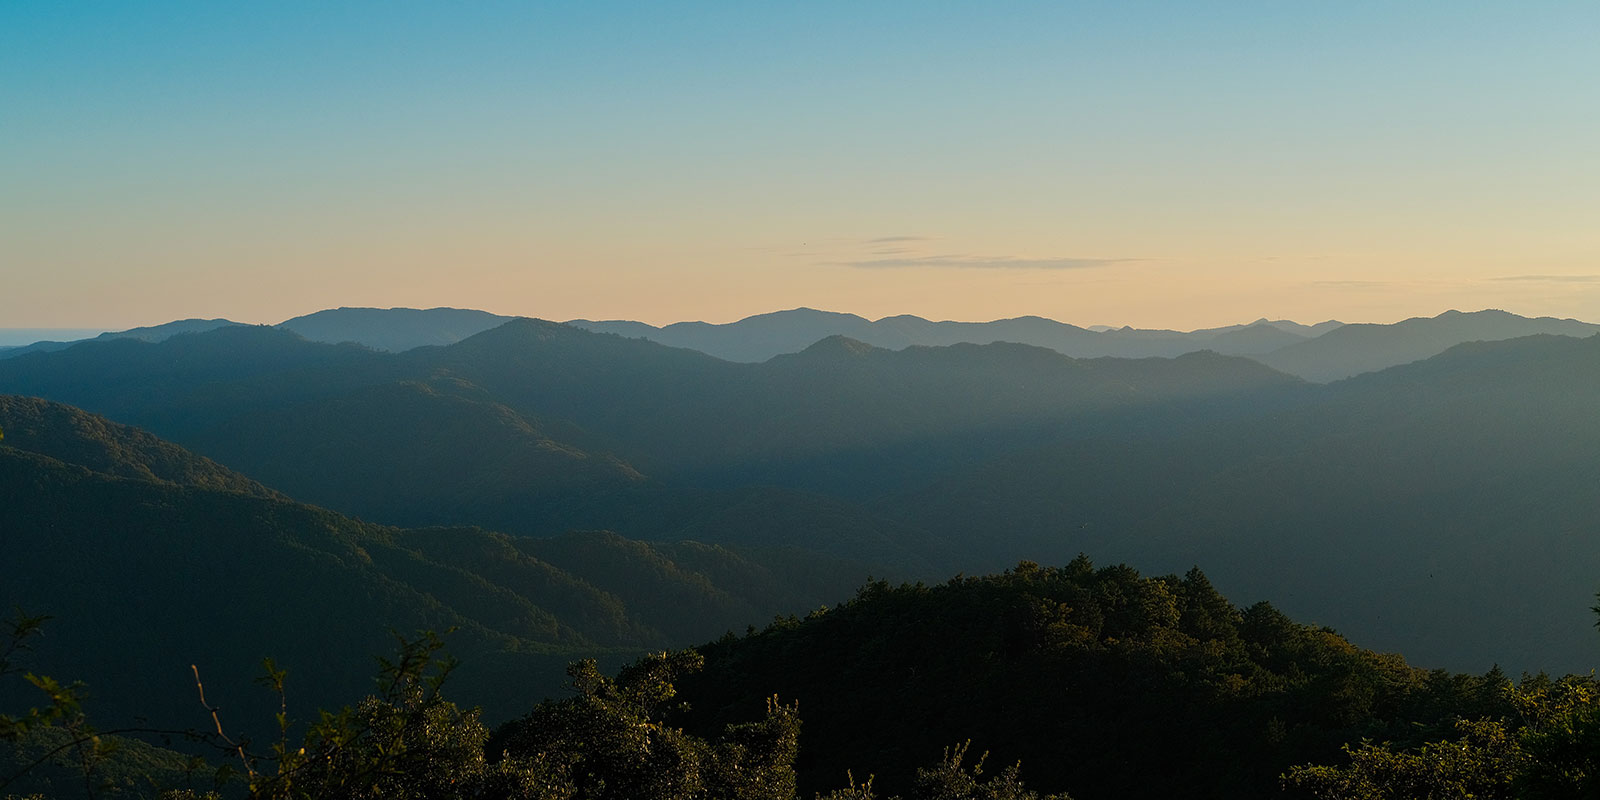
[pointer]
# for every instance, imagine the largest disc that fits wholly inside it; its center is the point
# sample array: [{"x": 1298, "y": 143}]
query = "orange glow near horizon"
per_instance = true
[{"x": 1092, "y": 165}]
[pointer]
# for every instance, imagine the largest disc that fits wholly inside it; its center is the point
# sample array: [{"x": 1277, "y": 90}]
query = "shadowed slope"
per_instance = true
[
  {"x": 174, "y": 561},
  {"x": 78, "y": 437}
]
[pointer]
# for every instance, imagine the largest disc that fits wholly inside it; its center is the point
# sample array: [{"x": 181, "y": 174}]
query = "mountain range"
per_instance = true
[
  {"x": 151, "y": 333},
  {"x": 1301, "y": 350},
  {"x": 1452, "y": 493},
  {"x": 1322, "y": 352},
  {"x": 761, "y": 337}
]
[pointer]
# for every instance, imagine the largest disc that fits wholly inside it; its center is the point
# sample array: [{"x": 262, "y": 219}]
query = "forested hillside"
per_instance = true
[
  {"x": 1073, "y": 680},
  {"x": 1102, "y": 682},
  {"x": 151, "y": 559},
  {"x": 1454, "y": 491}
]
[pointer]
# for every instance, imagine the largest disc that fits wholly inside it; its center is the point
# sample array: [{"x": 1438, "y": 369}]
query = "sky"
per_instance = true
[{"x": 1159, "y": 164}]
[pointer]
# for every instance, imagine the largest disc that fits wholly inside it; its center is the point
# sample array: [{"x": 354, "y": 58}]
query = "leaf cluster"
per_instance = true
[{"x": 1547, "y": 750}]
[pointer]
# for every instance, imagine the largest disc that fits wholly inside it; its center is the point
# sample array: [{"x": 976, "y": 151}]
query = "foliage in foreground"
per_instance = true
[
  {"x": 407, "y": 742},
  {"x": 1549, "y": 751},
  {"x": 616, "y": 738},
  {"x": 1104, "y": 682}
]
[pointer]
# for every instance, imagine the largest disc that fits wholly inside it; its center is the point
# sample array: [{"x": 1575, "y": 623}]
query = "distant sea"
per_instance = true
[{"x": 16, "y": 337}]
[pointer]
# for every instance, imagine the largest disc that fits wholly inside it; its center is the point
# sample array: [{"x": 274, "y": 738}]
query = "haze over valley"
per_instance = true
[
  {"x": 1450, "y": 480},
  {"x": 553, "y": 490}
]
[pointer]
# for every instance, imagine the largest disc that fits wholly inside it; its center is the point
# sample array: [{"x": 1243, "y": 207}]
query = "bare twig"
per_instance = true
[{"x": 217, "y": 720}]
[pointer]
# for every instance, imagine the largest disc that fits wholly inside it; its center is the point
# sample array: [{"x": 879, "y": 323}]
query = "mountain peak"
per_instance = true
[
  {"x": 393, "y": 329},
  {"x": 803, "y": 315},
  {"x": 839, "y": 346}
]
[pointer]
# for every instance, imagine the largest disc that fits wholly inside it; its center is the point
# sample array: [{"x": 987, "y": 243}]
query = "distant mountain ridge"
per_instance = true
[
  {"x": 763, "y": 336},
  {"x": 1323, "y": 352},
  {"x": 20, "y": 337},
  {"x": 1306, "y": 351},
  {"x": 393, "y": 329},
  {"x": 389, "y": 329},
  {"x": 151, "y": 333},
  {"x": 1354, "y": 349}
]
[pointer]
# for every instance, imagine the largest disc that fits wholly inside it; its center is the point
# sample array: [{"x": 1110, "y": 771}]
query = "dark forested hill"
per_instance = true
[
  {"x": 94, "y": 442},
  {"x": 1102, "y": 682},
  {"x": 151, "y": 559},
  {"x": 145, "y": 579}
]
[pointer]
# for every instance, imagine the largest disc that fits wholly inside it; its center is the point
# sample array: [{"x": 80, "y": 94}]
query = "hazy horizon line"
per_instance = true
[{"x": 9, "y": 336}]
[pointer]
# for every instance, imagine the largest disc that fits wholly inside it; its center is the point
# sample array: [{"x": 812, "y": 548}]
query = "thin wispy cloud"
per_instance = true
[
  {"x": 983, "y": 262},
  {"x": 913, "y": 252},
  {"x": 1356, "y": 284},
  {"x": 1550, "y": 278},
  {"x": 1432, "y": 286}
]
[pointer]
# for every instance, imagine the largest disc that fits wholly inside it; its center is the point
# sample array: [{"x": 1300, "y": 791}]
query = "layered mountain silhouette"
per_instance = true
[
  {"x": 389, "y": 329},
  {"x": 1451, "y": 491},
  {"x": 537, "y": 428},
  {"x": 1323, "y": 352},
  {"x": 1285, "y": 345},
  {"x": 1354, "y": 349},
  {"x": 761, "y": 337},
  {"x": 1437, "y": 507},
  {"x": 152, "y": 333}
]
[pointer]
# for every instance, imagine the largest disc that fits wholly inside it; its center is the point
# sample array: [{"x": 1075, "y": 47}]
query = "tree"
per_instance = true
[
  {"x": 1549, "y": 750},
  {"x": 951, "y": 779},
  {"x": 404, "y": 742},
  {"x": 1480, "y": 764},
  {"x": 612, "y": 743}
]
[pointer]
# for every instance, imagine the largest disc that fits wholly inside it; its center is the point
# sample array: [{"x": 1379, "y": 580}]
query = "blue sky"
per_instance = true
[{"x": 1174, "y": 164}]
